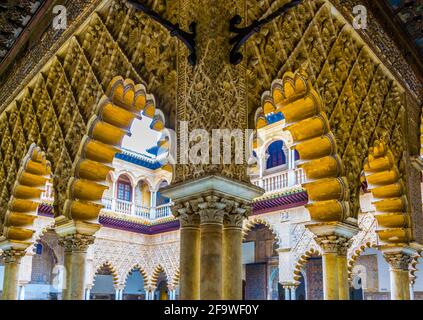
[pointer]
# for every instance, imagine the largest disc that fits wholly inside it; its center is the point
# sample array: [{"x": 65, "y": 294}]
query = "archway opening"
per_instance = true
[
  {"x": 162, "y": 292},
  {"x": 134, "y": 286},
  {"x": 103, "y": 288}
]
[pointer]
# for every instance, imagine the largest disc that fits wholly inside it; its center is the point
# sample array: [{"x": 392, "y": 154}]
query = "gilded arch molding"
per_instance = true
[
  {"x": 306, "y": 120},
  {"x": 18, "y": 221}
]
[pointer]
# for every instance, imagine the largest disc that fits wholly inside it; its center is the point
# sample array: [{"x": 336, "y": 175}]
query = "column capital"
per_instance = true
[
  {"x": 398, "y": 260},
  {"x": 333, "y": 244},
  {"x": 13, "y": 255},
  {"x": 76, "y": 242}
]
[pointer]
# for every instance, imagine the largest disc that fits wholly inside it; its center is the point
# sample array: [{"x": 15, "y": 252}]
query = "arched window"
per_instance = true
[
  {"x": 276, "y": 155},
  {"x": 296, "y": 155},
  {"x": 160, "y": 200},
  {"x": 124, "y": 189}
]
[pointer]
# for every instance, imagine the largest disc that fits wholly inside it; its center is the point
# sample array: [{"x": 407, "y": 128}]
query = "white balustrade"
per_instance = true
[
  {"x": 47, "y": 194},
  {"x": 107, "y": 202},
  {"x": 280, "y": 180},
  {"x": 123, "y": 206},
  {"x": 299, "y": 176},
  {"x": 142, "y": 211},
  {"x": 163, "y": 210}
]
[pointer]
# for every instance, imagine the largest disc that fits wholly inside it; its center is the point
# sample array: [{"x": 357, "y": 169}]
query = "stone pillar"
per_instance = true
[
  {"x": 293, "y": 295},
  {"x": 211, "y": 198},
  {"x": 189, "y": 265},
  {"x": 399, "y": 275},
  {"x": 76, "y": 246},
  {"x": 411, "y": 290},
  {"x": 12, "y": 261},
  {"x": 211, "y": 229},
  {"x": 87, "y": 293},
  {"x": 287, "y": 293},
  {"x": 329, "y": 245},
  {"x": 232, "y": 254},
  {"x": 22, "y": 292},
  {"x": 342, "y": 262}
]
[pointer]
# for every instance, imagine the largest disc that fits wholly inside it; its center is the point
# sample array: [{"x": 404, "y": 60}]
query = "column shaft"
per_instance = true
[
  {"x": 211, "y": 261},
  {"x": 232, "y": 263},
  {"x": 75, "y": 264},
  {"x": 344, "y": 290},
  {"x": 11, "y": 274},
  {"x": 189, "y": 269},
  {"x": 76, "y": 246},
  {"x": 330, "y": 276}
]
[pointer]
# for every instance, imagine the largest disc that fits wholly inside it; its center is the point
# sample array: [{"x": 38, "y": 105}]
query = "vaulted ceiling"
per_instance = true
[{"x": 409, "y": 13}]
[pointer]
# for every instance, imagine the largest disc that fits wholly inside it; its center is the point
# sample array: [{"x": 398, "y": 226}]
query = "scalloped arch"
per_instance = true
[
  {"x": 356, "y": 254},
  {"x": 250, "y": 224},
  {"x": 389, "y": 194},
  {"x": 156, "y": 273},
  {"x": 302, "y": 261},
  {"x": 114, "y": 114},
  {"x": 112, "y": 270},
  {"x": 136, "y": 267},
  {"x": 302, "y": 108},
  {"x": 18, "y": 225}
]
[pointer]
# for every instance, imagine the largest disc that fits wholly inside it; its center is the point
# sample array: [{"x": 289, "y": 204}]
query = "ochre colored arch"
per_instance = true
[
  {"x": 124, "y": 101},
  {"x": 112, "y": 269},
  {"x": 302, "y": 261},
  {"x": 389, "y": 194},
  {"x": 34, "y": 172},
  {"x": 142, "y": 272},
  {"x": 302, "y": 108},
  {"x": 356, "y": 254},
  {"x": 250, "y": 224},
  {"x": 155, "y": 276}
]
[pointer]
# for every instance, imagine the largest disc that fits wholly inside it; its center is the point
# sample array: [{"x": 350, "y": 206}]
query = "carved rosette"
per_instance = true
[
  {"x": 13, "y": 255},
  {"x": 398, "y": 261},
  {"x": 333, "y": 244},
  {"x": 76, "y": 242}
]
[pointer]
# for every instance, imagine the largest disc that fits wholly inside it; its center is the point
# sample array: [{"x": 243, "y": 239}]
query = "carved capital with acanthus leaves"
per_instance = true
[
  {"x": 211, "y": 209},
  {"x": 398, "y": 260},
  {"x": 333, "y": 244},
  {"x": 76, "y": 242},
  {"x": 13, "y": 255}
]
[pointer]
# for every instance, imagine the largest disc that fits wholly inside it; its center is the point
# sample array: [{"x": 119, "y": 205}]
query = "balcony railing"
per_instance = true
[
  {"x": 137, "y": 208},
  {"x": 281, "y": 180}
]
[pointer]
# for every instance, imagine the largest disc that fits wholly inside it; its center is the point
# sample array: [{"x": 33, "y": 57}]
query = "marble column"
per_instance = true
[
  {"x": 329, "y": 245},
  {"x": 212, "y": 198},
  {"x": 12, "y": 262},
  {"x": 189, "y": 265},
  {"x": 232, "y": 253},
  {"x": 399, "y": 275},
  {"x": 22, "y": 292},
  {"x": 87, "y": 294},
  {"x": 287, "y": 293},
  {"x": 76, "y": 246},
  {"x": 342, "y": 263},
  {"x": 211, "y": 230},
  {"x": 293, "y": 295}
]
